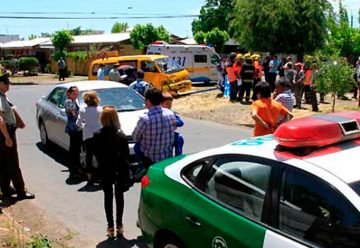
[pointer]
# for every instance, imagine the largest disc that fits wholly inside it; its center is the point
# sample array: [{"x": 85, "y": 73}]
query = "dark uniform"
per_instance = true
[
  {"x": 9, "y": 161},
  {"x": 247, "y": 76}
]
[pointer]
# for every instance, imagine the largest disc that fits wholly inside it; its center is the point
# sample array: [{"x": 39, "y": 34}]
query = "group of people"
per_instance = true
[
  {"x": 12, "y": 184},
  {"x": 99, "y": 129}
]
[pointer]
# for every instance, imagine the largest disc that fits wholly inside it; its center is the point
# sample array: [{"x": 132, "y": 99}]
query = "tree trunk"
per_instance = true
[{"x": 333, "y": 103}]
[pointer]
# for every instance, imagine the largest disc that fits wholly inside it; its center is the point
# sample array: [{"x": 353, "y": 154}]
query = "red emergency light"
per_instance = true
[{"x": 319, "y": 130}]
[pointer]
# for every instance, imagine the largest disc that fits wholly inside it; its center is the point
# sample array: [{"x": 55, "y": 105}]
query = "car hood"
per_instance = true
[{"x": 129, "y": 119}]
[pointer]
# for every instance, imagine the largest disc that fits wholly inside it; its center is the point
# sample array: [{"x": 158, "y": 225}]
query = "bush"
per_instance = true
[
  {"x": 58, "y": 54},
  {"x": 28, "y": 63},
  {"x": 10, "y": 64}
]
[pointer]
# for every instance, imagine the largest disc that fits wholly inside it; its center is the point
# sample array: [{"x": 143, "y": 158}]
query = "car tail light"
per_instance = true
[{"x": 145, "y": 181}]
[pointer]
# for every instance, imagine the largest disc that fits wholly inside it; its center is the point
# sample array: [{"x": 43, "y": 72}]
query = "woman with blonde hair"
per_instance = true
[
  {"x": 112, "y": 154},
  {"x": 88, "y": 120}
]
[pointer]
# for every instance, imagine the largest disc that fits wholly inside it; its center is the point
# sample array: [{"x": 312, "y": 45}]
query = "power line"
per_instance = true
[{"x": 98, "y": 18}]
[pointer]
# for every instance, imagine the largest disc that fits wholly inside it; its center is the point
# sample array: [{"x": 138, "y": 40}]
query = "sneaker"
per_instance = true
[
  {"x": 25, "y": 195},
  {"x": 110, "y": 232}
]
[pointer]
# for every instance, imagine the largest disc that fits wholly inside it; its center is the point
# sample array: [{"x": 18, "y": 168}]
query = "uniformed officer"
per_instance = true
[
  {"x": 247, "y": 76},
  {"x": 10, "y": 171}
]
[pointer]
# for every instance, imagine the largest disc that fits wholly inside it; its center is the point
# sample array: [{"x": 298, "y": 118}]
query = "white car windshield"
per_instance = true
[
  {"x": 123, "y": 99},
  {"x": 166, "y": 65}
]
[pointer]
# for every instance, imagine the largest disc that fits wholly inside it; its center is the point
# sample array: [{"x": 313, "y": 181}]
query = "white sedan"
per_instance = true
[{"x": 51, "y": 116}]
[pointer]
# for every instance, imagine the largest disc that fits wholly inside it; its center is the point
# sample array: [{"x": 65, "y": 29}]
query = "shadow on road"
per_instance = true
[
  {"x": 57, "y": 153},
  {"x": 123, "y": 243}
]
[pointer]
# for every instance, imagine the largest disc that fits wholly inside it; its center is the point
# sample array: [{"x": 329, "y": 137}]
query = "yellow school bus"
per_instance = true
[{"x": 156, "y": 70}]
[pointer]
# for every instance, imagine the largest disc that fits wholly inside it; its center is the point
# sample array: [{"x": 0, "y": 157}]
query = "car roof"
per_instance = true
[
  {"x": 341, "y": 159},
  {"x": 93, "y": 85},
  {"x": 130, "y": 57}
]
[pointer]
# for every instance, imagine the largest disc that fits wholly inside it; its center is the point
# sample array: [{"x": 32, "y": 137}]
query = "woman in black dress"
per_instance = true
[{"x": 112, "y": 153}]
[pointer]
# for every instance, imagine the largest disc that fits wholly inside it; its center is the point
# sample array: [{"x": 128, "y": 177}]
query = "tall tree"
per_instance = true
[
  {"x": 61, "y": 40},
  {"x": 215, "y": 13},
  {"x": 119, "y": 27},
  {"x": 296, "y": 26},
  {"x": 217, "y": 38},
  {"x": 200, "y": 37},
  {"x": 143, "y": 35},
  {"x": 342, "y": 39}
]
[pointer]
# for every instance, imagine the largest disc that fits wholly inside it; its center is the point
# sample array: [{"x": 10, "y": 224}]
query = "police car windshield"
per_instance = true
[
  {"x": 123, "y": 99},
  {"x": 167, "y": 66},
  {"x": 356, "y": 187}
]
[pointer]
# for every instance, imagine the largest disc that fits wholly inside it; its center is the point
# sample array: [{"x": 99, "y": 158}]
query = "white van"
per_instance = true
[{"x": 200, "y": 61}]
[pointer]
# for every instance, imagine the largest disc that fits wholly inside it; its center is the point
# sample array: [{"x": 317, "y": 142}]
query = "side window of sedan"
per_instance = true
[
  {"x": 312, "y": 210},
  {"x": 242, "y": 185},
  {"x": 58, "y": 97}
]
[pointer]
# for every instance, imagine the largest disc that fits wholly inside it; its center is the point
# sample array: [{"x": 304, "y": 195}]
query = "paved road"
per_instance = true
[{"x": 82, "y": 209}]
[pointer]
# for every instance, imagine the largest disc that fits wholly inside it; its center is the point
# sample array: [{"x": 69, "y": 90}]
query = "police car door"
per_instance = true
[{"x": 228, "y": 203}]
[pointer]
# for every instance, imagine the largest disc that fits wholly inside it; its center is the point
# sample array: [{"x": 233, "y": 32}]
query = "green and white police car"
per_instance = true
[{"x": 297, "y": 188}]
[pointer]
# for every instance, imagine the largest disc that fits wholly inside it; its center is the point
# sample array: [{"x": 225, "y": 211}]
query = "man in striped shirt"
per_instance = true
[
  {"x": 284, "y": 95},
  {"x": 155, "y": 130}
]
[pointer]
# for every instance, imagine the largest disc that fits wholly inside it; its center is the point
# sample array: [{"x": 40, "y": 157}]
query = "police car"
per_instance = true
[{"x": 299, "y": 187}]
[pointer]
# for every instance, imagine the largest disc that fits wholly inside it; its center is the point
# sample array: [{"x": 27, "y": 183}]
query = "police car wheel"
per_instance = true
[
  {"x": 43, "y": 135},
  {"x": 169, "y": 242}
]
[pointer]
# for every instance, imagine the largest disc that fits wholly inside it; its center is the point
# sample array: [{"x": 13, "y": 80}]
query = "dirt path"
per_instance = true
[{"x": 214, "y": 107}]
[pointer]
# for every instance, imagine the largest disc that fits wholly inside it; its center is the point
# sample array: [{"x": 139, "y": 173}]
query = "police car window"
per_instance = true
[
  {"x": 310, "y": 209},
  {"x": 240, "y": 184},
  {"x": 200, "y": 58},
  {"x": 58, "y": 97},
  {"x": 192, "y": 171}
]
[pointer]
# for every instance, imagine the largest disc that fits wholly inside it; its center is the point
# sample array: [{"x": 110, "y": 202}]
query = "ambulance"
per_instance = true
[{"x": 199, "y": 60}]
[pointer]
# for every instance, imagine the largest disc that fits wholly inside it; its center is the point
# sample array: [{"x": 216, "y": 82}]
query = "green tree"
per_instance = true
[
  {"x": 217, "y": 38},
  {"x": 215, "y": 13},
  {"x": 76, "y": 31},
  {"x": 290, "y": 26},
  {"x": 32, "y": 36},
  {"x": 143, "y": 35},
  {"x": 335, "y": 77},
  {"x": 200, "y": 37},
  {"x": 342, "y": 39},
  {"x": 61, "y": 39},
  {"x": 119, "y": 27}
]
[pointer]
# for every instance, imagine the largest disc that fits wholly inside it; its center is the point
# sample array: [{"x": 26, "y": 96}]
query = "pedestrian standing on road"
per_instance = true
[
  {"x": 111, "y": 150},
  {"x": 178, "y": 138},
  {"x": 273, "y": 65},
  {"x": 155, "y": 130},
  {"x": 266, "y": 111},
  {"x": 10, "y": 171},
  {"x": 140, "y": 85},
  {"x": 74, "y": 132},
  {"x": 88, "y": 120},
  {"x": 232, "y": 78},
  {"x": 61, "y": 69},
  {"x": 266, "y": 68},
  {"x": 298, "y": 84},
  {"x": 114, "y": 74},
  {"x": 247, "y": 77},
  {"x": 101, "y": 72}
]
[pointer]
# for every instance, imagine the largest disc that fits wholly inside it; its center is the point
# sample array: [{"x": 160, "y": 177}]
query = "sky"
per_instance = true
[{"x": 182, "y": 13}]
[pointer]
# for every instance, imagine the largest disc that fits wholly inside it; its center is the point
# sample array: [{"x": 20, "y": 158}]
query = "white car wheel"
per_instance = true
[{"x": 43, "y": 135}]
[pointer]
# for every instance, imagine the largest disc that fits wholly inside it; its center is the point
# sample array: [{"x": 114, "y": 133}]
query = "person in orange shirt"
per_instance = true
[
  {"x": 258, "y": 73},
  {"x": 230, "y": 70},
  {"x": 266, "y": 111},
  {"x": 307, "y": 83}
]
